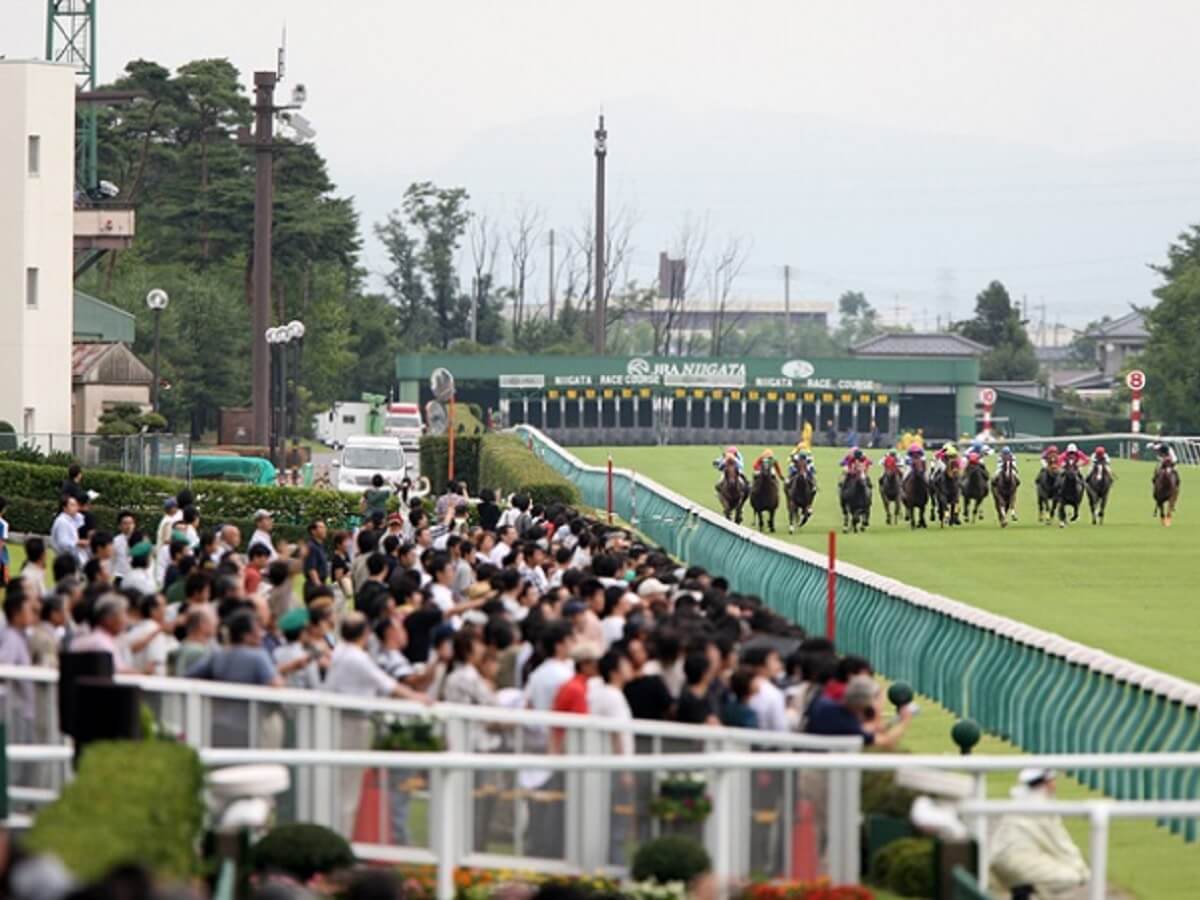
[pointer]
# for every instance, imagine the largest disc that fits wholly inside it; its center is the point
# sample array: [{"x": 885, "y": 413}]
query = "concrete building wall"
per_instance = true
[
  {"x": 90, "y": 401},
  {"x": 37, "y": 99}
]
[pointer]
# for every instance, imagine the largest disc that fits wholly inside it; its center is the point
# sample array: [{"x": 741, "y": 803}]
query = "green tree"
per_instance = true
[
  {"x": 857, "y": 319},
  {"x": 1083, "y": 346},
  {"x": 406, "y": 286},
  {"x": 374, "y": 343},
  {"x": 440, "y": 216},
  {"x": 997, "y": 324},
  {"x": 1169, "y": 360}
]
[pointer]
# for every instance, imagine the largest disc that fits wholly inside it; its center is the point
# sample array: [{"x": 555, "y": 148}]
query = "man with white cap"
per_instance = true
[
  {"x": 1037, "y": 851},
  {"x": 263, "y": 523}
]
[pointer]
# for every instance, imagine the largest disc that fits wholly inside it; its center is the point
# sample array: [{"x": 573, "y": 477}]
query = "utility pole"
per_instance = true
[
  {"x": 787, "y": 307},
  {"x": 475, "y": 292},
  {"x": 550, "y": 295},
  {"x": 264, "y": 198},
  {"x": 601, "y": 326}
]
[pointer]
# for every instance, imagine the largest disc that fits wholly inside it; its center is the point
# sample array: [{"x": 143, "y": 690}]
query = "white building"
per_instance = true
[{"x": 37, "y": 178}]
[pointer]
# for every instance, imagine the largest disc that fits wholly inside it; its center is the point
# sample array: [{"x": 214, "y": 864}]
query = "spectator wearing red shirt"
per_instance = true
[{"x": 572, "y": 696}]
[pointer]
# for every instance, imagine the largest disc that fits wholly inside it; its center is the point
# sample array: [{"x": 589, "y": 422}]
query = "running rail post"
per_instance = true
[
  {"x": 831, "y": 589},
  {"x": 1098, "y": 852},
  {"x": 609, "y": 490}
]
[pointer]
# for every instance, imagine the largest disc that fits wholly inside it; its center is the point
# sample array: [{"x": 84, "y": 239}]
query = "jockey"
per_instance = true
[
  {"x": 856, "y": 463},
  {"x": 981, "y": 447},
  {"x": 1006, "y": 455},
  {"x": 801, "y": 457},
  {"x": 767, "y": 461},
  {"x": 915, "y": 452},
  {"x": 1072, "y": 455},
  {"x": 1099, "y": 460},
  {"x": 947, "y": 457},
  {"x": 736, "y": 455},
  {"x": 1050, "y": 457},
  {"x": 1165, "y": 452},
  {"x": 891, "y": 461}
]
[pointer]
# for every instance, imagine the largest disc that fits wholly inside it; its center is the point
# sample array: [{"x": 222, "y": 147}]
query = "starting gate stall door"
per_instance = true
[
  {"x": 608, "y": 413},
  {"x": 771, "y": 416},
  {"x": 736, "y": 417},
  {"x": 716, "y": 411},
  {"x": 752, "y": 419},
  {"x": 845, "y": 420},
  {"x": 626, "y": 414},
  {"x": 591, "y": 413},
  {"x": 536, "y": 415},
  {"x": 696, "y": 408},
  {"x": 678, "y": 413},
  {"x": 554, "y": 413},
  {"x": 791, "y": 415},
  {"x": 645, "y": 412},
  {"x": 571, "y": 415},
  {"x": 862, "y": 416}
]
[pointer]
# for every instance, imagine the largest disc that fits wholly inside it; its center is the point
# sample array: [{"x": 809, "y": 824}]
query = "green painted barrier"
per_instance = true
[{"x": 1040, "y": 691}]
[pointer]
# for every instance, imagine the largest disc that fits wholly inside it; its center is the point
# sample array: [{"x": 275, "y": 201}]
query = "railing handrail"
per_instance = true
[
  {"x": 1152, "y": 680},
  {"x": 477, "y": 714},
  {"x": 749, "y": 761}
]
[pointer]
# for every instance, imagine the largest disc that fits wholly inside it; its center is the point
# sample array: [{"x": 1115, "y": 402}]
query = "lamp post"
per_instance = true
[
  {"x": 295, "y": 335},
  {"x": 274, "y": 338},
  {"x": 157, "y": 300}
]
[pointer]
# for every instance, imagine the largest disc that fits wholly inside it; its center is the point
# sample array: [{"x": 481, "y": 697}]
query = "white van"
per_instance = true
[{"x": 365, "y": 456}]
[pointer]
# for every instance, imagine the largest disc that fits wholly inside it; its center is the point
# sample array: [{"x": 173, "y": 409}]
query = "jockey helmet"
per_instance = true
[
  {"x": 1071, "y": 448},
  {"x": 1006, "y": 451},
  {"x": 1100, "y": 451},
  {"x": 950, "y": 450},
  {"x": 858, "y": 454},
  {"x": 1053, "y": 448},
  {"x": 768, "y": 454},
  {"x": 731, "y": 451},
  {"x": 973, "y": 457}
]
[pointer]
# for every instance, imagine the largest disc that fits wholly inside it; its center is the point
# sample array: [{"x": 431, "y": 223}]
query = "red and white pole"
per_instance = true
[
  {"x": 609, "y": 505},
  {"x": 831, "y": 589},
  {"x": 1135, "y": 418},
  {"x": 987, "y": 418}
]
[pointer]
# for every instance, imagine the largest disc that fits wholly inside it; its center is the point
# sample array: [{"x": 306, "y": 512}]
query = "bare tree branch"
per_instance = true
[
  {"x": 522, "y": 243},
  {"x": 722, "y": 271}
]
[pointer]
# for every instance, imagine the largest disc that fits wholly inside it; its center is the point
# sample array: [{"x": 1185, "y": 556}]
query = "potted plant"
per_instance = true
[{"x": 682, "y": 799}]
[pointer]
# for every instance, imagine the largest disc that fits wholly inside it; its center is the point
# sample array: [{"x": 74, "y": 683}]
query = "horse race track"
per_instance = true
[{"x": 1131, "y": 586}]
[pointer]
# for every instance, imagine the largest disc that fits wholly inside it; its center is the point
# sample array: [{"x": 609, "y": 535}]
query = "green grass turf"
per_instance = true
[{"x": 1127, "y": 587}]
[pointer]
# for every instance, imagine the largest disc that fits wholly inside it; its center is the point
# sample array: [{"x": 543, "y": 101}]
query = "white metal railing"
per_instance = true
[
  {"x": 215, "y": 716},
  {"x": 452, "y": 801}
]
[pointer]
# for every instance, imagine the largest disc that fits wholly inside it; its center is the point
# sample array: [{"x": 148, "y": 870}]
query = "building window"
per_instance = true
[
  {"x": 35, "y": 155},
  {"x": 29, "y": 423},
  {"x": 31, "y": 287}
]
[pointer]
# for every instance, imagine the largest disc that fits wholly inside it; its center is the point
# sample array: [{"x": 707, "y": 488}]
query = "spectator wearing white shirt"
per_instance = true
[
  {"x": 64, "y": 533},
  {"x": 507, "y": 536},
  {"x": 353, "y": 672},
  {"x": 126, "y": 524},
  {"x": 768, "y": 702},
  {"x": 618, "y": 603},
  {"x": 139, "y": 578},
  {"x": 148, "y": 643},
  {"x": 264, "y": 522},
  {"x": 33, "y": 571},
  {"x": 534, "y": 557}
]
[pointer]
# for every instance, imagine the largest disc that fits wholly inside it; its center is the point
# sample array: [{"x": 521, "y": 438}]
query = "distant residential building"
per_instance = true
[
  {"x": 1118, "y": 340},
  {"x": 911, "y": 343},
  {"x": 700, "y": 317}
]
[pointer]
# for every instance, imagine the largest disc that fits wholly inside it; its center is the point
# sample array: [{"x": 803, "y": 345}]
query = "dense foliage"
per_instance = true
[
  {"x": 1172, "y": 376},
  {"x": 997, "y": 324},
  {"x": 906, "y": 867},
  {"x": 301, "y": 850},
  {"x": 509, "y": 466},
  {"x": 149, "y": 793},
  {"x": 672, "y": 857}
]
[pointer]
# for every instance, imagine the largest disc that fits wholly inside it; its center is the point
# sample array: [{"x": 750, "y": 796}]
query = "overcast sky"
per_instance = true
[{"x": 913, "y": 150}]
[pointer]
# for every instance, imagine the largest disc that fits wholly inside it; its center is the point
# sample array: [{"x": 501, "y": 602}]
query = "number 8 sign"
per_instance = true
[{"x": 1135, "y": 380}]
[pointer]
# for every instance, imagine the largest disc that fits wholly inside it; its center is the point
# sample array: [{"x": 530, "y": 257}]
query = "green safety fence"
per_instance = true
[{"x": 1038, "y": 690}]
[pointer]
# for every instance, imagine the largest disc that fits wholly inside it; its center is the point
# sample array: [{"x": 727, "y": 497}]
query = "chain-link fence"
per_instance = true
[{"x": 167, "y": 455}]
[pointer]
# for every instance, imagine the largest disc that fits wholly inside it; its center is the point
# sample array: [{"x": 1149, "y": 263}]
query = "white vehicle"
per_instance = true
[
  {"x": 365, "y": 456},
  {"x": 403, "y": 420},
  {"x": 341, "y": 422}
]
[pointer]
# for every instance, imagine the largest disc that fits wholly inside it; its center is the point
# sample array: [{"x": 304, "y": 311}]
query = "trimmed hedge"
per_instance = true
[
  {"x": 509, "y": 466},
  {"x": 672, "y": 857},
  {"x": 218, "y": 501},
  {"x": 130, "y": 802},
  {"x": 435, "y": 457},
  {"x": 301, "y": 850},
  {"x": 906, "y": 867}
]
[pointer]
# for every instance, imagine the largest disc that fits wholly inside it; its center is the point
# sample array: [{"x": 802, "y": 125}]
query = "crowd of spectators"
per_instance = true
[{"x": 474, "y": 601}]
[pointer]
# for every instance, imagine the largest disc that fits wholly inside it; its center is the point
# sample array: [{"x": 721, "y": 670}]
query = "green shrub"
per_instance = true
[
  {"x": 130, "y": 802},
  {"x": 881, "y": 796},
  {"x": 302, "y": 850},
  {"x": 218, "y": 501},
  {"x": 672, "y": 857},
  {"x": 508, "y": 465},
  {"x": 8, "y": 436},
  {"x": 435, "y": 454},
  {"x": 905, "y": 867}
]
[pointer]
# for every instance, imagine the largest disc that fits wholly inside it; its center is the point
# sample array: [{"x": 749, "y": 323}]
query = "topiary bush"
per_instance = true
[
  {"x": 906, "y": 867},
  {"x": 672, "y": 857},
  {"x": 435, "y": 454},
  {"x": 301, "y": 850},
  {"x": 8, "y": 436},
  {"x": 509, "y": 466},
  {"x": 130, "y": 802}
]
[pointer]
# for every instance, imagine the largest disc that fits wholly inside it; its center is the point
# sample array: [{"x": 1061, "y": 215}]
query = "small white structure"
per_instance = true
[{"x": 37, "y": 179}]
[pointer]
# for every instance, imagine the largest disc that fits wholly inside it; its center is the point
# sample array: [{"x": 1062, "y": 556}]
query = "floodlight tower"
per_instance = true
[{"x": 71, "y": 38}]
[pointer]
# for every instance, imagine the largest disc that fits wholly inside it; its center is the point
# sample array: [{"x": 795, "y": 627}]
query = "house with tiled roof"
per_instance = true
[{"x": 907, "y": 343}]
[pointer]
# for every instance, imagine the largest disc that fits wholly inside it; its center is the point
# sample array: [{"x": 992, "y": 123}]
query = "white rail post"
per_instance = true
[
  {"x": 1098, "y": 846},
  {"x": 723, "y": 825},
  {"x": 324, "y": 809},
  {"x": 982, "y": 861},
  {"x": 193, "y": 720}
]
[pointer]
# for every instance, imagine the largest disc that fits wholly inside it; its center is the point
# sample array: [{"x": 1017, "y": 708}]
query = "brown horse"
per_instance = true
[
  {"x": 764, "y": 497},
  {"x": 1166, "y": 492},
  {"x": 889, "y": 493},
  {"x": 731, "y": 491},
  {"x": 800, "y": 492},
  {"x": 914, "y": 491},
  {"x": 1004, "y": 490}
]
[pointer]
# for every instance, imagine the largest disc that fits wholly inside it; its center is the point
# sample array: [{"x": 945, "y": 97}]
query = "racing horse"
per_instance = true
[
  {"x": 856, "y": 502},
  {"x": 974, "y": 488},
  {"x": 889, "y": 492},
  {"x": 1046, "y": 493},
  {"x": 914, "y": 492},
  {"x": 1004, "y": 490},
  {"x": 1098, "y": 484},
  {"x": 731, "y": 491},
  {"x": 800, "y": 492},
  {"x": 1166, "y": 492},
  {"x": 764, "y": 497},
  {"x": 1068, "y": 491},
  {"x": 946, "y": 492}
]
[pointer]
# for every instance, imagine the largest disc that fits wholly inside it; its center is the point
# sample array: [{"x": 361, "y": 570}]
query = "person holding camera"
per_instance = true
[{"x": 858, "y": 714}]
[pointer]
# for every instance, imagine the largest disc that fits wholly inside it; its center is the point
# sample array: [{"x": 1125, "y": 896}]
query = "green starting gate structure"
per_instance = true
[{"x": 1038, "y": 690}]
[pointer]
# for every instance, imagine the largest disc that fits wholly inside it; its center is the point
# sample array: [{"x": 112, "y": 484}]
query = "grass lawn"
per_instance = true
[{"x": 1126, "y": 587}]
